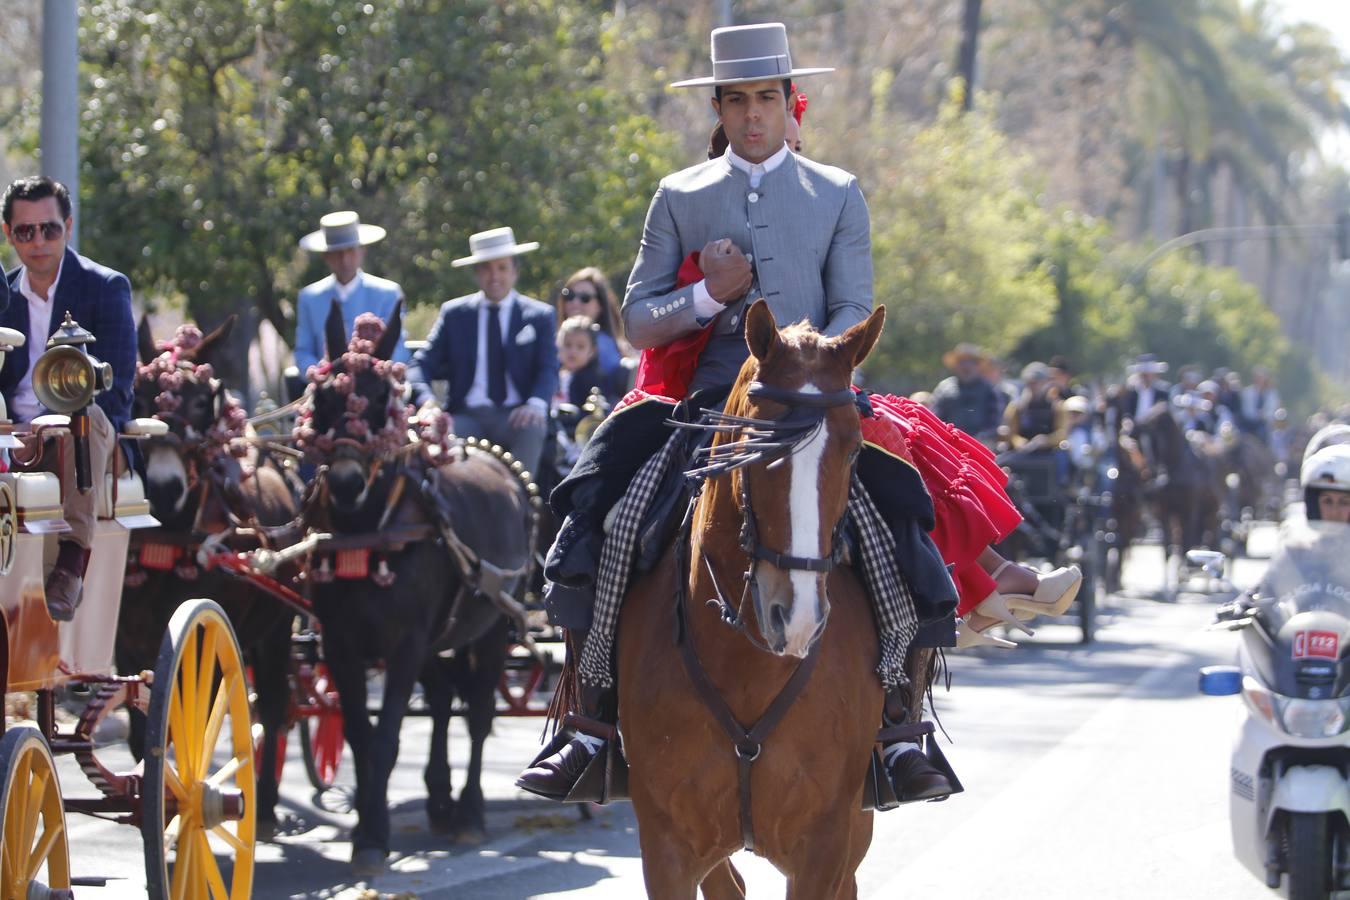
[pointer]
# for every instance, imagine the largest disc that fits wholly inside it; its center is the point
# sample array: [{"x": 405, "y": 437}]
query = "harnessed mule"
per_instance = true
[
  {"x": 204, "y": 482},
  {"x": 704, "y": 783},
  {"x": 1180, "y": 486},
  {"x": 396, "y": 582}
]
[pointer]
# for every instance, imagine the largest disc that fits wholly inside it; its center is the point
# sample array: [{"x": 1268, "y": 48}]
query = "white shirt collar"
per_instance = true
[
  {"x": 344, "y": 291},
  {"x": 501, "y": 307},
  {"x": 753, "y": 169},
  {"x": 26, "y": 286}
]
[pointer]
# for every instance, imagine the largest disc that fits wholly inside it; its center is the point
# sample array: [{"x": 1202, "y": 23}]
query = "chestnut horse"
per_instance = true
[{"x": 805, "y": 786}]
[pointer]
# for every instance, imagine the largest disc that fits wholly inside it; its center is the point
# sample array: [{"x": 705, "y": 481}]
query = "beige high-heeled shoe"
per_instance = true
[
  {"x": 994, "y": 609},
  {"x": 1055, "y": 592},
  {"x": 967, "y": 637}
]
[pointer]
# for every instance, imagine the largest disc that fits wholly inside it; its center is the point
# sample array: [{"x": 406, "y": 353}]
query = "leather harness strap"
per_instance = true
[{"x": 747, "y": 742}]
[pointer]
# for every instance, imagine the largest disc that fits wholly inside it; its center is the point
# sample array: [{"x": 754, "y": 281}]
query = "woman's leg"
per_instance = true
[{"x": 1011, "y": 579}]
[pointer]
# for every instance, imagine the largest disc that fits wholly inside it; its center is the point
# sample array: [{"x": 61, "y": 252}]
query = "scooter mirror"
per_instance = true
[{"x": 1220, "y": 681}]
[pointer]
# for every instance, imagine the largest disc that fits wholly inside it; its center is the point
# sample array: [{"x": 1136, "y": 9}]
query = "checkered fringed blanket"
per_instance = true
[{"x": 891, "y": 600}]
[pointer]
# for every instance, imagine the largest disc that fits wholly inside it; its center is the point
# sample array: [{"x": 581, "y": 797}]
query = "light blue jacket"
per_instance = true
[{"x": 374, "y": 295}]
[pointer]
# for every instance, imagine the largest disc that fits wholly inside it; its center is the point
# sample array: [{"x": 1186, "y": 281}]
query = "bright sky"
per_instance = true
[{"x": 1333, "y": 15}]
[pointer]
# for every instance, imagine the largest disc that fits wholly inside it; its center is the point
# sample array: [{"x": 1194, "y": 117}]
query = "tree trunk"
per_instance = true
[{"x": 965, "y": 63}]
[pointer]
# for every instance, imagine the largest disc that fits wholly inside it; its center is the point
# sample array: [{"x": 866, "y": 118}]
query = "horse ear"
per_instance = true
[
  {"x": 393, "y": 332},
  {"x": 215, "y": 341},
  {"x": 145, "y": 340},
  {"x": 334, "y": 333},
  {"x": 761, "y": 331},
  {"x": 858, "y": 341}
]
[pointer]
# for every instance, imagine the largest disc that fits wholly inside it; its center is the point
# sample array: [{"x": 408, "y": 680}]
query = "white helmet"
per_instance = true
[
  {"x": 1330, "y": 436},
  {"x": 1327, "y": 470}
]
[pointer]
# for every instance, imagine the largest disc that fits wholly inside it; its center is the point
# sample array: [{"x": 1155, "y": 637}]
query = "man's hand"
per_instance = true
[
  {"x": 725, "y": 270},
  {"x": 526, "y": 415}
]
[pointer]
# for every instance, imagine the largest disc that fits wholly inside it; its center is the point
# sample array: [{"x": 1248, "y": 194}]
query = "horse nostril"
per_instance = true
[{"x": 778, "y": 619}]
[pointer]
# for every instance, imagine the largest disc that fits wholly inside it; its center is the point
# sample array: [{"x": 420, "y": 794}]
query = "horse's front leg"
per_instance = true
[
  {"x": 482, "y": 672},
  {"x": 401, "y": 668},
  {"x": 271, "y": 658},
  {"x": 342, "y": 652},
  {"x": 723, "y": 883},
  {"x": 439, "y": 694},
  {"x": 671, "y": 868}
]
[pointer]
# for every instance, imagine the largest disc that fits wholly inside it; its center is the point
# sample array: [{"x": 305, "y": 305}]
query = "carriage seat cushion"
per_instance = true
[
  {"x": 130, "y": 494},
  {"x": 35, "y": 493}
]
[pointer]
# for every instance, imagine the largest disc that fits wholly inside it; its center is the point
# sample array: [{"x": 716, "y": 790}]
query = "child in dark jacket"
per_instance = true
[{"x": 578, "y": 354}]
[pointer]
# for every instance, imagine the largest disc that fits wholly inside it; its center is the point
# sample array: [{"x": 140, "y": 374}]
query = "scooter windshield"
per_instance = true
[{"x": 1311, "y": 571}]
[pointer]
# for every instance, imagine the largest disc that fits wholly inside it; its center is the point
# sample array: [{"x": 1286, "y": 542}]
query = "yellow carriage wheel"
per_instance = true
[
  {"x": 199, "y": 794},
  {"x": 35, "y": 859}
]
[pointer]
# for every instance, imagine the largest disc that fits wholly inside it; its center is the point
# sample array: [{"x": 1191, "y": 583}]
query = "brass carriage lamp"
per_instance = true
[{"x": 66, "y": 379}]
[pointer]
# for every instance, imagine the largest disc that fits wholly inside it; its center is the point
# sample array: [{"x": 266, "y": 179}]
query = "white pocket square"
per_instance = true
[{"x": 525, "y": 335}]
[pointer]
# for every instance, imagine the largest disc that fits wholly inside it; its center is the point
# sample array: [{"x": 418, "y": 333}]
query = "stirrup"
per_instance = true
[
  {"x": 605, "y": 778},
  {"x": 878, "y": 792}
]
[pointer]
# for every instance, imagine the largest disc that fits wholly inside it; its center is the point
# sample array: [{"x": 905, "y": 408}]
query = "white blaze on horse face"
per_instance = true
[
  {"x": 808, "y": 601},
  {"x": 164, "y": 470}
]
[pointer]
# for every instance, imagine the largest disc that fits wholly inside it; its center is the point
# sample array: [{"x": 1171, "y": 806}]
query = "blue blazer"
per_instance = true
[
  {"x": 373, "y": 295},
  {"x": 452, "y": 351},
  {"x": 100, "y": 300}
]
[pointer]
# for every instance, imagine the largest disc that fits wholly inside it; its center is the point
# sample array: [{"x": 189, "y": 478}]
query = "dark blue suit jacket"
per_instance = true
[
  {"x": 100, "y": 300},
  {"x": 452, "y": 351}
]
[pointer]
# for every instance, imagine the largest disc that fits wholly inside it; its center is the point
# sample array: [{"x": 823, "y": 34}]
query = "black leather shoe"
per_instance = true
[
  {"x": 914, "y": 778},
  {"x": 554, "y": 776},
  {"x": 64, "y": 589}
]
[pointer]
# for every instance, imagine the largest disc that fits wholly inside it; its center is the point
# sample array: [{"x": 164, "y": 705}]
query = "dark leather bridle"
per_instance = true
[
  {"x": 766, "y": 440},
  {"x": 762, "y": 439}
]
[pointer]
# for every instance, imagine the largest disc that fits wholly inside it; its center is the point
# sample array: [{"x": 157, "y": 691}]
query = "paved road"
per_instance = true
[{"x": 1089, "y": 774}]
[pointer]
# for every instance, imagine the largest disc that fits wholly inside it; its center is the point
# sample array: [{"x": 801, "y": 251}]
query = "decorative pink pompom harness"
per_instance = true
[
  {"x": 173, "y": 369},
  {"x": 340, "y": 376},
  {"x": 170, "y": 371}
]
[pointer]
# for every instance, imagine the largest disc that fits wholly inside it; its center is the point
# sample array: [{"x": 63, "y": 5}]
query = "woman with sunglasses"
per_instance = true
[{"x": 587, "y": 293}]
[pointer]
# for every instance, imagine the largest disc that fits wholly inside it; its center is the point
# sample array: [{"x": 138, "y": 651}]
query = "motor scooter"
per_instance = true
[{"x": 1289, "y": 790}]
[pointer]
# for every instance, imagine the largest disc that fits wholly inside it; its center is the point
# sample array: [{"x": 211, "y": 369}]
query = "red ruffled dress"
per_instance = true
[{"x": 970, "y": 505}]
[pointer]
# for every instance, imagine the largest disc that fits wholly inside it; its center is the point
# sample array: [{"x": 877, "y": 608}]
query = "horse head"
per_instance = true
[
  {"x": 799, "y": 439},
  {"x": 355, "y": 417},
  {"x": 175, "y": 383}
]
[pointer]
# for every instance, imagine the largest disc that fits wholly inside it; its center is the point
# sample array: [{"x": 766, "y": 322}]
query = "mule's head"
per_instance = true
[
  {"x": 356, "y": 415},
  {"x": 797, "y": 500},
  {"x": 176, "y": 384}
]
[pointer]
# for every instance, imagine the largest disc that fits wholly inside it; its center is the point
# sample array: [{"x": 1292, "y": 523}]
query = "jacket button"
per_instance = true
[
  {"x": 754, "y": 197},
  {"x": 750, "y": 257}
]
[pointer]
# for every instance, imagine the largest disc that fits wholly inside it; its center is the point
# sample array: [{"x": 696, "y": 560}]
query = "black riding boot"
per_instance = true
[
  {"x": 912, "y": 775},
  {"x": 555, "y": 775}
]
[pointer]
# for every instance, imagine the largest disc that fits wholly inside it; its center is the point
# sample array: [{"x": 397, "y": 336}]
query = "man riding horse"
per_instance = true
[{"x": 796, "y": 233}]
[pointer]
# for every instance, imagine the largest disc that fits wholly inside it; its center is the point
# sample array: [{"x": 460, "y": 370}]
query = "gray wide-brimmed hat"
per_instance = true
[
  {"x": 743, "y": 53},
  {"x": 497, "y": 243},
  {"x": 340, "y": 230}
]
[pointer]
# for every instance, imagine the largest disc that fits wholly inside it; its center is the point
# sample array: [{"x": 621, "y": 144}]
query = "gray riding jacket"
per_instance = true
[{"x": 805, "y": 230}]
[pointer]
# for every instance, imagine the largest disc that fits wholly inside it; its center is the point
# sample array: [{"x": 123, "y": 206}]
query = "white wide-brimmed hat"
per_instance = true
[
  {"x": 495, "y": 244},
  {"x": 1146, "y": 363},
  {"x": 742, "y": 53},
  {"x": 340, "y": 230}
]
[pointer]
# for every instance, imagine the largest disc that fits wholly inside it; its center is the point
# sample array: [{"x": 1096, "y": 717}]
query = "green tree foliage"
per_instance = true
[
  {"x": 955, "y": 245},
  {"x": 217, "y": 132}
]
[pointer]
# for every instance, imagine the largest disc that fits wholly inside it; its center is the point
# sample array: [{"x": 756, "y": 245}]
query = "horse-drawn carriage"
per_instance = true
[
  {"x": 193, "y": 798},
  {"x": 1063, "y": 522}
]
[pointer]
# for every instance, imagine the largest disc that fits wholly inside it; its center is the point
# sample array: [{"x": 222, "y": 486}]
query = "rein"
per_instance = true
[{"x": 760, "y": 440}]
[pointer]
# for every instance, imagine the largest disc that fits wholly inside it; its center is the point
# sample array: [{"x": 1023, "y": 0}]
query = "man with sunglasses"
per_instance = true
[{"x": 53, "y": 280}]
